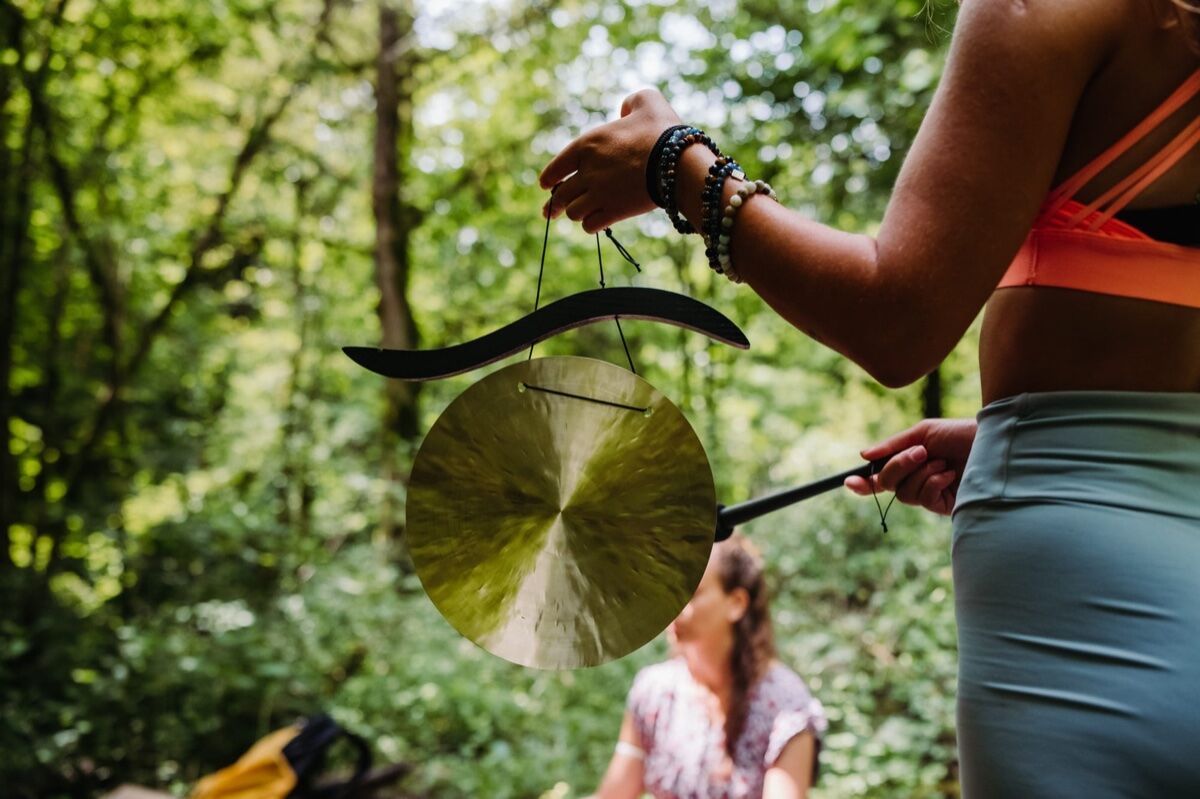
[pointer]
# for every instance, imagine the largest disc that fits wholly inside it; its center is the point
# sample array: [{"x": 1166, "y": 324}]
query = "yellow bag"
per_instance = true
[
  {"x": 262, "y": 773},
  {"x": 272, "y": 768}
]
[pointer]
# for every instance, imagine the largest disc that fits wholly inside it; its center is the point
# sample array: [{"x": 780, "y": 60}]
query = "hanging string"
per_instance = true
[
  {"x": 616, "y": 318},
  {"x": 882, "y": 510},
  {"x": 625, "y": 253},
  {"x": 599, "y": 258},
  {"x": 542, "y": 265},
  {"x": 623, "y": 344}
]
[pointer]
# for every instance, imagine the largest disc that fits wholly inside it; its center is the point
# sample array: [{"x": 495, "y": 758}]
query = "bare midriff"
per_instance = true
[
  {"x": 1037, "y": 338},
  {"x": 1048, "y": 339}
]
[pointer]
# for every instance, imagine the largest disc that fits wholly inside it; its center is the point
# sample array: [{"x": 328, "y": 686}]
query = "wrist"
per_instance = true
[
  {"x": 654, "y": 165},
  {"x": 693, "y": 167},
  {"x": 678, "y": 143},
  {"x": 689, "y": 182}
]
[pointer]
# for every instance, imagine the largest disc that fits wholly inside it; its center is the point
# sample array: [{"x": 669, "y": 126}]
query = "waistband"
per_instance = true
[{"x": 1125, "y": 449}]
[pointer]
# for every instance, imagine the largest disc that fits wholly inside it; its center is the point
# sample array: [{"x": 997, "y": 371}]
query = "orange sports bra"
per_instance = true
[{"x": 1077, "y": 246}]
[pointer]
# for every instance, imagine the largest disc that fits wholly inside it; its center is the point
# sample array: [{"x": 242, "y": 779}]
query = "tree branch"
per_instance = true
[
  {"x": 103, "y": 274},
  {"x": 257, "y": 139},
  {"x": 244, "y": 257}
]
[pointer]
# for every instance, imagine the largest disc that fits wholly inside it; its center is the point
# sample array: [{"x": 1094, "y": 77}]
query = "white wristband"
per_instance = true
[{"x": 629, "y": 750}]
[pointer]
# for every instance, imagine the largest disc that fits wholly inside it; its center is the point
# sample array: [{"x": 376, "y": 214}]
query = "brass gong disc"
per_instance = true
[{"x": 566, "y": 529}]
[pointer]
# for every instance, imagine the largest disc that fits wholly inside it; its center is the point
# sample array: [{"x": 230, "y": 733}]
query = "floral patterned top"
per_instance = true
[{"x": 684, "y": 747}]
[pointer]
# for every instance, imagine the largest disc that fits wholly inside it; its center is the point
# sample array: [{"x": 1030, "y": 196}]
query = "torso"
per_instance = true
[
  {"x": 1045, "y": 339},
  {"x": 684, "y": 741}
]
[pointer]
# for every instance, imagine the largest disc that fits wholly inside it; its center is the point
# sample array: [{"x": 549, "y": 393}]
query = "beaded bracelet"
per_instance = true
[
  {"x": 679, "y": 141},
  {"x": 710, "y": 203},
  {"x": 710, "y": 195},
  {"x": 723, "y": 262},
  {"x": 652, "y": 164}
]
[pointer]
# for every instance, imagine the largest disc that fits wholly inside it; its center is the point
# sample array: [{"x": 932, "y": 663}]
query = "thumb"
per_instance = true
[{"x": 911, "y": 437}]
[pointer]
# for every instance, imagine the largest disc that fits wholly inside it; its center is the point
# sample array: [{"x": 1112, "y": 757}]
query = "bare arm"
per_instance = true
[
  {"x": 791, "y": 775},
  {"x": 969, "y": 190},
  {"x": 623, "y": 779}
]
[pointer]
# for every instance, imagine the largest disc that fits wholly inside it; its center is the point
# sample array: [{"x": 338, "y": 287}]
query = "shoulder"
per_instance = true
[
  {"x": 780, "y": 680},
  {"x": 988, "y": 150},
  {"x": 1016, "y": 73},
  {"x": 785, "y": 708},
  {"x": 782, "y": 693},
  {"x": 1081, "y": 31},
  {"x": 1087, "y": 17},
  {"x": 657, "y": 681},
  {"x": 664, "y": 674}
]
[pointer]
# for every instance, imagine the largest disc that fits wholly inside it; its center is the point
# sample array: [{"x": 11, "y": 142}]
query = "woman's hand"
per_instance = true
[
  {"x": 626, "y": 771},
  {"x": 926, "y": 464},
  {"x": 609, "y": 165}
]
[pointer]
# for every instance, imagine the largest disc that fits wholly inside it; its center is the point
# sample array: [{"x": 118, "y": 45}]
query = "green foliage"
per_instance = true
[{"x": 193, "y": 556}]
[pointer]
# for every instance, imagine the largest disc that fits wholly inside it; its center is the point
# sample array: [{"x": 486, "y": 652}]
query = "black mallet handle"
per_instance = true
[{"x": 730, "y": 517}]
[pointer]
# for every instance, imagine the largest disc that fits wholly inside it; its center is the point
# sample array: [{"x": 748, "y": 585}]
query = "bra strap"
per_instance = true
[
  {"x": 1065, "y": 191},
  {"x": 1137, "y": 181}
]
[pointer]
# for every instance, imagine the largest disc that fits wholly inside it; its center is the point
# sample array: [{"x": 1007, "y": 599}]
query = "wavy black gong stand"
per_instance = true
[{"x": 577, "y": 310}]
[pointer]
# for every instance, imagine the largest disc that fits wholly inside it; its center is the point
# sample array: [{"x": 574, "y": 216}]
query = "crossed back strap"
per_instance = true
[{"x": 1103, "y": 208}]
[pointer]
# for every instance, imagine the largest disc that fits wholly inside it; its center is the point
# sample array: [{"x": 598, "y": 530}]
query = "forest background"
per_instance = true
[{"x": 201, "y": 497}]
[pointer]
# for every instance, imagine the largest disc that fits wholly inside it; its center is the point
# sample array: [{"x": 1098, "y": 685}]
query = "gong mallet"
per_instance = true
[{"x": 733, "y": 515}]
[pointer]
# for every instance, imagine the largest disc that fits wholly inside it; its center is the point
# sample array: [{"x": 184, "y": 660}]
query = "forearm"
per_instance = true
[
  {"x": 832, "y": 285},
  {"x": 971, "y": 187}
]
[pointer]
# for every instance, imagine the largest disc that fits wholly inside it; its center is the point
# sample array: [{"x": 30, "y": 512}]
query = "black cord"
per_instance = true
[
  {"x": 882, "y": 510},
  {"x": 599, "y": 259},
  {"x": 617, "y": 319},
  {"x": 542, "y": 265},
  {"x": 624, "y": 252}
]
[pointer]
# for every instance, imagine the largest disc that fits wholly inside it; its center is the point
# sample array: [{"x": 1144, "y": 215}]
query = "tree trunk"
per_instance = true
[
  {"x": 15, "y": 179},
  {"x": 298, "y": 492},
  {"x": 931, "y": 395},
  {"x": 393, "y": 228}
]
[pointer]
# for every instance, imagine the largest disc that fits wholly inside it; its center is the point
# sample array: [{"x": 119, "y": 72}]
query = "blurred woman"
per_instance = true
[{"x": 723, "y": 717}]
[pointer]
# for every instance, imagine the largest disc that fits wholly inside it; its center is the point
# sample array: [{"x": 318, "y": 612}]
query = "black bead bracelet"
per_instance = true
[
  {"x": 711, "y": 206},
  {"x": 679, "y": 141},
  {"x": 652, "y": 165}
]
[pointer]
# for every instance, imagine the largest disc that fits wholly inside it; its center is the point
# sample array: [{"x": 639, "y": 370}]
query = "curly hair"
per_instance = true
[{"x": 739, "y": 565}]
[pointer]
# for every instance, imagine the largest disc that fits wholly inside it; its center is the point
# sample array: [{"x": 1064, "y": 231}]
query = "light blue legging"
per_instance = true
[{"x": 1077, "y": 588}]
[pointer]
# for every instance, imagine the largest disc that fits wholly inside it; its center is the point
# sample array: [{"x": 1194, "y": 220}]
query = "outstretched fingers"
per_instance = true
[
  {"x": 562, "y": 165},
  {"x": 579, "y": 208},
  {"x": 597, "y": 220},
  {"x": 563, "y": 194}
]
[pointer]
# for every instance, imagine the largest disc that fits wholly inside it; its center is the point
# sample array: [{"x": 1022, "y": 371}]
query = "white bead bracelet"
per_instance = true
[{"x": 724, "y": 263}]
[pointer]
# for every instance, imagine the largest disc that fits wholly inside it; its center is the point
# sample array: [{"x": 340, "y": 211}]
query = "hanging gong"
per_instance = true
[{"x": 561, "y": 512}]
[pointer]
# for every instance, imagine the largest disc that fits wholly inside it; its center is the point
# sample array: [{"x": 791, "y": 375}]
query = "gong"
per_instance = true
[{"x": 561, "y": 512}]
